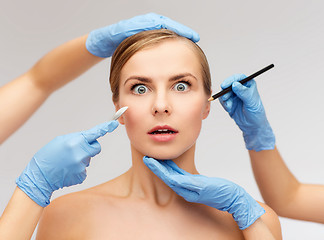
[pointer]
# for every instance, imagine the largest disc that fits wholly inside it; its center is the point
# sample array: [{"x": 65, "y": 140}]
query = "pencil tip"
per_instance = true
[{"x": 210, "y": 99}]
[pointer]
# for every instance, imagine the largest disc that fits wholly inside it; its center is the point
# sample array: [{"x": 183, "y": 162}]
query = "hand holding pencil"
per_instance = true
[
  {"x": 245, "y": 80},
  {"x": 244, "y": 105}
]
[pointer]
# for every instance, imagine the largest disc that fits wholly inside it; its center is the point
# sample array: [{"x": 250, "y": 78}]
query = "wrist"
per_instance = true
[
  {"x": 33, "y": 183},
  {"x": 258, "y": 230},
  {"x": 33, "y": 193},
  {"x": 260, "y": 139},
  {"x": 245, "y": 210}
]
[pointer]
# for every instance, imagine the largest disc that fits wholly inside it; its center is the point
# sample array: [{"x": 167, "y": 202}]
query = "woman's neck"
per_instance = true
[{"x": 144, "y": 184}]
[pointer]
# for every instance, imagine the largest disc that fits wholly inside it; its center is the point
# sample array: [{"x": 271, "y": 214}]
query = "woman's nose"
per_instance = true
[{"x": 161, "y": 105}]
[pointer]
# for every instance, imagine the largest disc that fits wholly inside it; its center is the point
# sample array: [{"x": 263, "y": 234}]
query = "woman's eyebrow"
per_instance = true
[
  {"x": 139, "y": 78},
  {"x": 182, "y": 75},
  {"x": 149, "y": 80}
]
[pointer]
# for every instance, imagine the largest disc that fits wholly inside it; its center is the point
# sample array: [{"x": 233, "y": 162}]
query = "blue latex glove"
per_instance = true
[
  {"x": 61, "y": 163},
  {"x": 244, "y": 105},
  {"x": 103, "y": 42},
  {"x": 214, "y": 192}
]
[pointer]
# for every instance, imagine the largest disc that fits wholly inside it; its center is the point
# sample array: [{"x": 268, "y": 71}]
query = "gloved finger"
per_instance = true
[
  {"x": 172, "y": 177},
  {"x": 188, "y": 195},
  {"x": 227, "y": 96},
  {"x": 152, "y": 21},
  {"x": 100, "y": 130},
  {"x": 155, "y": 166},
  {"x": 94, "y": 148},
  {"x": 175, "y": 167},
  {"x": 249, "y": 83},
  {"x": 81, "y": 176},
  {"x": 189, "y": 182},
  {"x": 86, "y": 162},
  {"x": 234, "y": 78},
  {"x": 179, "y": 177},
  {"x": 160, "y": 171},
  {"x": 232, "y": 104},
  {"x": 227, "y": 105},
  {"x": 180, "y": 29},
  {"x": 243, "y": 92},
  {"x": 179, "y": 190},
  {"x": 169, "y": 169}
]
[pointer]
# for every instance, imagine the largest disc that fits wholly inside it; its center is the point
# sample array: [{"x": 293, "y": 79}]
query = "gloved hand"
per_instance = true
[
  {"x": 244, "y": 105},
  {"x": 103, "y": 42},
  {"x": 61, "y": 163},
  {"x": 214, "y": 192}
]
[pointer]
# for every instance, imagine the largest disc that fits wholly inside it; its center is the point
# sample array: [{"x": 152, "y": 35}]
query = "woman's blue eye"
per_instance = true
[
  {"x": 181, "y": 86},
  {"x": 140, "y": 89}
]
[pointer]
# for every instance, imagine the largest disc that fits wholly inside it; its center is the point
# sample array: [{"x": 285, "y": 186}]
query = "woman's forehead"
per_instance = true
[{"x": 168, "y": 57}]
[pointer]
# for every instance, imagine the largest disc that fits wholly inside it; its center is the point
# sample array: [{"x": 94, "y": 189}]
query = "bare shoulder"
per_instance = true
[
  {"x": 58, "y": 219},
  {"x": 270, "y": 218},
  {"x": 72, "y": 216}
]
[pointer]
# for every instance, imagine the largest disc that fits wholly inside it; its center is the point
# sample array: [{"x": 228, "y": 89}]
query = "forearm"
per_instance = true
[
  {"x": 277, "y": 184},
  {"x": 20, "y": 217},
  {"x": 281, "y": 190},
  {"x": 308, "y": 204},
  {"x": 63, "y": 64},
  {"x": 257, "y": 231},
  {"x": 20, "y": 98}
]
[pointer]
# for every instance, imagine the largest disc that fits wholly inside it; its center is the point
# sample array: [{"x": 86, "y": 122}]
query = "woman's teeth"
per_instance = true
[{"x": 162, "y": 131}]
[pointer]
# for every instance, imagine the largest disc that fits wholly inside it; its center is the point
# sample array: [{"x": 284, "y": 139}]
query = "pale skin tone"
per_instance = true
[
  {"x": 137, "y": 204},
  {"x": 283, "y": 192},
  {"x": 54, "y": 70}
]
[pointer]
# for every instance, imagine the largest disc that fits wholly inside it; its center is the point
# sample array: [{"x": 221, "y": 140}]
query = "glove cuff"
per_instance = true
[
  {"x": 259, "y": 140},
  {"x": 245, "y": 210},
  {"x": 33, "y": 188}
]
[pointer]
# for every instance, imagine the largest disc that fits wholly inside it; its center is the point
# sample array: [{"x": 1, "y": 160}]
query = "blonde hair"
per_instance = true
[{"x": 145, "y": 39}]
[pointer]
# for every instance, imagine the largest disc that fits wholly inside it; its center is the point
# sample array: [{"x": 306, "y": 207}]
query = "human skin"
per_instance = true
[
  {"x": 137, "y": 204},
  {"x": 54, "y": 70},
  {"x": 21, "y": 211},
  {"x": 282, "y": 191},
  {"x": 148, "y": 110}
]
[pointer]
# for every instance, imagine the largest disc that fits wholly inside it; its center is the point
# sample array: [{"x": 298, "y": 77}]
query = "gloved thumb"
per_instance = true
[
  {"x": 100, "y": 130},
  {"x": 243, "y": 92},
  {"x": 180, "y": 29}
]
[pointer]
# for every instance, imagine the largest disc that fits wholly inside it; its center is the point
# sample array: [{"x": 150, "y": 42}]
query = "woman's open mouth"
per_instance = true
[{"x": 163, "y": 133}]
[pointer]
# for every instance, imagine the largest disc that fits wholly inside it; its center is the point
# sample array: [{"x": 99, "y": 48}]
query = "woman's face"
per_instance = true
[{"x": 163, "y": 88}]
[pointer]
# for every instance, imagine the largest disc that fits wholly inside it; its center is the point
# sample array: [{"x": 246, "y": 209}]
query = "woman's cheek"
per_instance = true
[
  {"x": 133, "y": 114},
  {"x": 192, "y": 107},
  {"x": 134, "y": 117},
  {"x": 192, "y": 113}
]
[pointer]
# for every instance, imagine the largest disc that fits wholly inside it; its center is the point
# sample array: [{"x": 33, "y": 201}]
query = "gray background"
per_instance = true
[{"x": 237, "y": 37}]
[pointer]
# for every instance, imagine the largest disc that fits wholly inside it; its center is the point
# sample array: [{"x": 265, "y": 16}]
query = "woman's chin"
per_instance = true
[
  {"x": 165, "y": 153},
  {"x": 163, "y": 156}
]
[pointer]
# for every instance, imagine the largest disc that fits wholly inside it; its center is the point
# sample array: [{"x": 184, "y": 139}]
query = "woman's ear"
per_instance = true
[
  {"x": 121, "y": 118},
  {"x": 206, "y": 110}
]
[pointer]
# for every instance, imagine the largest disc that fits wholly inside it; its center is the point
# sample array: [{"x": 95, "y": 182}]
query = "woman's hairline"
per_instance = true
[{"x": 154, "y": 42}]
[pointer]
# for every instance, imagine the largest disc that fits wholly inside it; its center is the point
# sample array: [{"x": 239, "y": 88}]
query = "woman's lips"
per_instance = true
[
  {"x": 163, "y": 133},
  {"x": 163, "y": 137},
  {"x": 161, "y": 128}
]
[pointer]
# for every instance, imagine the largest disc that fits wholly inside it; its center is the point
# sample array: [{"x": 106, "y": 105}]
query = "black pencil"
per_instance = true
[{"x": 226, "y": 90}]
